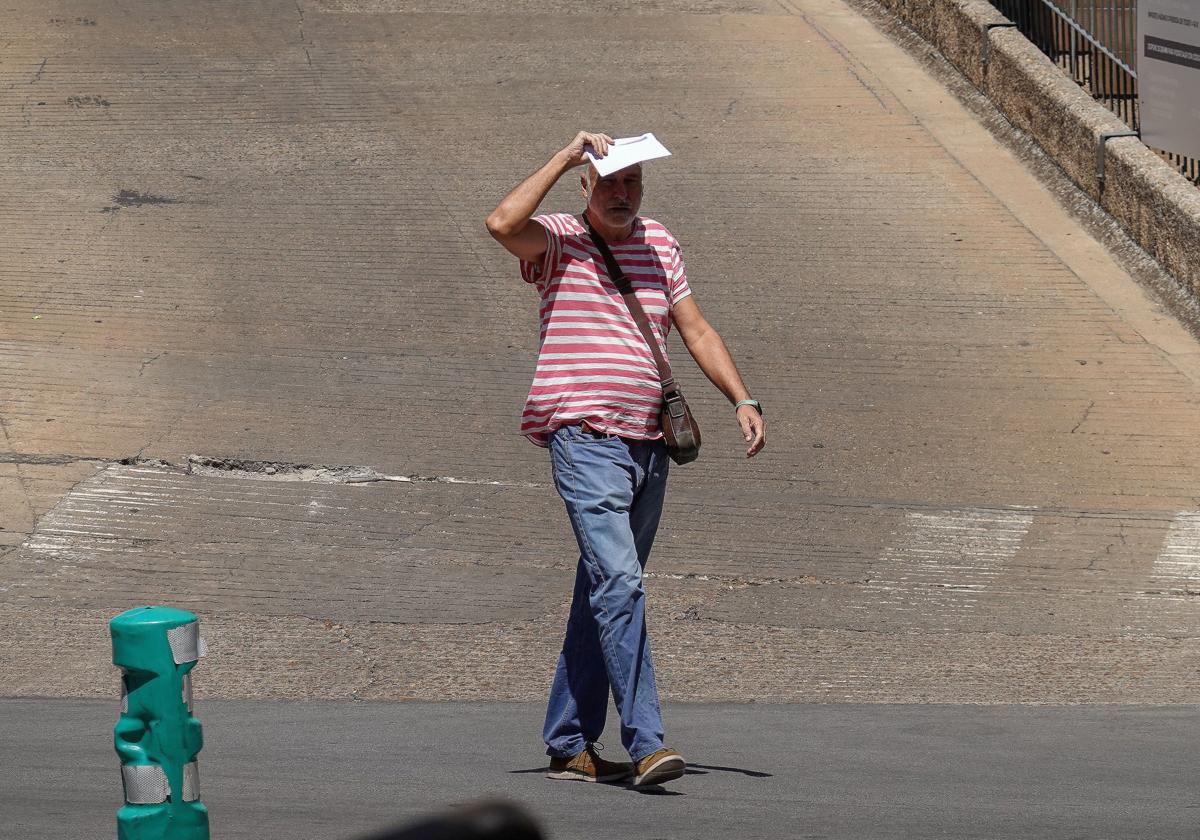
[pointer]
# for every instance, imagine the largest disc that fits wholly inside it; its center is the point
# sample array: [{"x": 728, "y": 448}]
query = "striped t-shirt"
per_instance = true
[{"x": 593, "y": 363}]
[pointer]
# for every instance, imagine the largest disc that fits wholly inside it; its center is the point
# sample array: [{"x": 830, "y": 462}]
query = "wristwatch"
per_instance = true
[{"x": 757, "y": 405}]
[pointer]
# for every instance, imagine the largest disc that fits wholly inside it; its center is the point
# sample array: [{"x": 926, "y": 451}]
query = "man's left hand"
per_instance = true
[{"x": 754, "y": 430}]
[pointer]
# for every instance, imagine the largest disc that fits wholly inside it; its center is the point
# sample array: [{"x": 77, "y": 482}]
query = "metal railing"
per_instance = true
[{"x": 1095, "y": 43}]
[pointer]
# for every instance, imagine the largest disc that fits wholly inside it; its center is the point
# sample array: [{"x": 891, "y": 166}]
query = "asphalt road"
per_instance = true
[{"x": 320, "y": 771}]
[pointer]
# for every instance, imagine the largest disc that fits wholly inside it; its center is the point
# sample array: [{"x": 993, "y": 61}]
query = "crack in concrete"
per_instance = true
[
  {"x": 1108, "y": 550},
  {"x": 21, "y": 482},
  {"x": 807, "y": 580},
  {"x": 369, "y": 661},
  {"x": 150, "y": 361},
  {"x": 250, "y": 469},
  {"x": 484, "y": 265},
  {"x": 49, "y": 460},
  {"x": 343, "y": 474},
  {"x": 303, "y": 40},
  {"x": 322, "y": 473},
  {"x": 421, "y": 529},
  {"x": 1084, "y": 418},
  {"x": 852, "y": 63},
  {"x": 175, "y": 424}
]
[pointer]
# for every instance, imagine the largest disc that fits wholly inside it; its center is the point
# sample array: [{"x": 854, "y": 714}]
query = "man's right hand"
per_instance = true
[
  {"x": 574, "y": 151},
  {"x": 510, "y": 225}
]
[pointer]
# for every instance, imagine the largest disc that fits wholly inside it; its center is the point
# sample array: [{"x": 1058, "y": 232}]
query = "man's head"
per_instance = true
[{"x": 613, "y": 201}]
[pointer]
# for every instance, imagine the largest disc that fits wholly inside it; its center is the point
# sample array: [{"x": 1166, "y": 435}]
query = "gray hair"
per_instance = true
[{"x": 590, "y": 176}]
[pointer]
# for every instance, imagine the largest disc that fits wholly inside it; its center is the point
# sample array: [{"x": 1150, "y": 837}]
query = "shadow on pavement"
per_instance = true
[
  {"x": 485, "y": 820},
  {"x": 691, "y": 770},
  {"x": 702, "y": 768},
  {"x": 659, "y": 790}
]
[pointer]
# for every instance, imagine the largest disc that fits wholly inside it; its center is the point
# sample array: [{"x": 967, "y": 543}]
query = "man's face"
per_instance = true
[{"x": 615, "y": 198}]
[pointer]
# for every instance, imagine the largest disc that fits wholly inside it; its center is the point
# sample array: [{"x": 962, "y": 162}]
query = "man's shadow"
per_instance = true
[{"x": 659, "y": 790}]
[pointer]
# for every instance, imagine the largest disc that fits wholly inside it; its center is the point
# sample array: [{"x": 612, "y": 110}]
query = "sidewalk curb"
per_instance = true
[{"x": 1158, "y": 206}]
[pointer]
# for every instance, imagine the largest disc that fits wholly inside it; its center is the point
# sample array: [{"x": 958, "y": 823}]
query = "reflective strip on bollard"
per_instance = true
[
  {"x": 186, "y": 644},
  {"x": 187, "y": 691},
  {"x": 191, "y": 782},
  {"x": 145, "y": 784}
]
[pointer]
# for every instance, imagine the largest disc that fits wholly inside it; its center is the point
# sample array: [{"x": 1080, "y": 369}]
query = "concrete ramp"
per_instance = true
[{"x": 259, "y": 358}]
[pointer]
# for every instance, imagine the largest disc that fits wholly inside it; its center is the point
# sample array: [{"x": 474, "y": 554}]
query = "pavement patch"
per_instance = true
[
  {"x": 134, "y": 534},
  {"x": 133, "y": 198},
  {"x": 456, "y": 590},
  {"x": 1178, "y": 566}
]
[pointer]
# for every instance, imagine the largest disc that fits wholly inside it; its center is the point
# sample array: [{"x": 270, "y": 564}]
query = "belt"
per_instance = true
[{"x": 593, "y": 432}]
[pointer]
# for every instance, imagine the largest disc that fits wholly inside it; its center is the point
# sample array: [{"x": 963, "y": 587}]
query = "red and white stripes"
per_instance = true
[{"x": 593, "y": 363}]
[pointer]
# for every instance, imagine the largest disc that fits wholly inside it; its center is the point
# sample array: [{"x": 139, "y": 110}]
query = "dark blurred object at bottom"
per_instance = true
[{"x": 485, "y": 820}]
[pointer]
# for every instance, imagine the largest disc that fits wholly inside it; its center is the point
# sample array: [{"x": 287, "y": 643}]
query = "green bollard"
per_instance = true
[{"x": 157, "y": 737}]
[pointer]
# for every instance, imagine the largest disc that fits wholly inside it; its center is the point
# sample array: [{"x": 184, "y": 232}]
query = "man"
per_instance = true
[{"x": 594, "y": 403}]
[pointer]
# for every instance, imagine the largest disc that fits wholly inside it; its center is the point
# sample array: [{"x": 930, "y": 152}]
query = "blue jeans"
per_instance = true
[{"x": 613, "y": 489}]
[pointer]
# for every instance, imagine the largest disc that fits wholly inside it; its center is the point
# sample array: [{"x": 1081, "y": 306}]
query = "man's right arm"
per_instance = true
[{"x": 511, "y": 223}]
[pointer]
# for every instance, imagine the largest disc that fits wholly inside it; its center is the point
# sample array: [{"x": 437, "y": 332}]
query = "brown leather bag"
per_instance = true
[{"x": 679, "y": 428}]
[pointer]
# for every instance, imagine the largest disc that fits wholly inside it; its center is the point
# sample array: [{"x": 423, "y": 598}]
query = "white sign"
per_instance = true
[
  {"x": 626, "y": 151},
  {"x": 1168, "y": 74}
]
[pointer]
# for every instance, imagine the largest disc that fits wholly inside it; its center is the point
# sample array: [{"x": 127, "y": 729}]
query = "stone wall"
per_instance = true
[{"x": 1158, "y": 206}]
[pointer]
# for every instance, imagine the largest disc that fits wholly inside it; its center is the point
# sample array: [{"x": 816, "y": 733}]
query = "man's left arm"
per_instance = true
[{"x": 711, "y": 354}]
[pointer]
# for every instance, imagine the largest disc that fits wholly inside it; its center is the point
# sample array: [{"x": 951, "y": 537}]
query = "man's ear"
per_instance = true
[{"x": 583, "y": 185}]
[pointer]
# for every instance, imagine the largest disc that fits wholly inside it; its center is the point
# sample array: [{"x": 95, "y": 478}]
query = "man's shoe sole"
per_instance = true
[
  {"x": 577, "y": 776},
  {"x": 664, "y": 770}
]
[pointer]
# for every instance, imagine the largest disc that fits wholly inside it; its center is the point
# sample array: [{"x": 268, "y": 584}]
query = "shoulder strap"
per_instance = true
[{"x": 634, "y": 305}]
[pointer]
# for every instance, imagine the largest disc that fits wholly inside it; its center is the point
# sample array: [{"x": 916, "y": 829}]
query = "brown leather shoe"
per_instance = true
[
  {"x": 588, "y": 767},
  {"x": 658, "y": 767}
]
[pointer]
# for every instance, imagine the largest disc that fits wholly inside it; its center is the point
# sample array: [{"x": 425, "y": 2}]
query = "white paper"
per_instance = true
[{"x": 626, "y": 151}]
